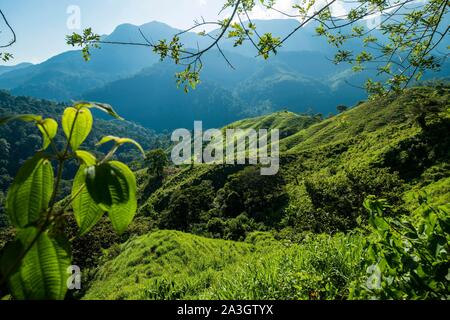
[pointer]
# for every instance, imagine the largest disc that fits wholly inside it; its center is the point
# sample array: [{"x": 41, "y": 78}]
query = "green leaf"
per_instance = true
[
  {"x": 48, "y": 128},
  {"x": 86, "y": 157},
  {"x": 107, "y": 185},
  {"x": 121, "y": 141},
  {"x": 101, "y": 106},
  {"x": 30, "y": 192},
  {"x": 122, "y": 214},
  {"x": 379, "y": 223},
  {"x": 107, "y": 139},
  {"x": 112, "y": 186},
  {"x": 42, "y": 273},
  {"x": 87, "y": 212},
  {"x": 23, "y": 117},
  {"x": 77, "y": 124}
]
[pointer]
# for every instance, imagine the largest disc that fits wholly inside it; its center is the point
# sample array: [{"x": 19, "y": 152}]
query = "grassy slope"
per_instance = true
[
  {"x": 175, "y": 265},
  {"x": 168, "y": 256},
  {"x": 188, "y": 266}
]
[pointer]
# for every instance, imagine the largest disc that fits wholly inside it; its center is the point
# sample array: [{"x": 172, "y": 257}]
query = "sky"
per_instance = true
[{"x": 41, "y": 25}]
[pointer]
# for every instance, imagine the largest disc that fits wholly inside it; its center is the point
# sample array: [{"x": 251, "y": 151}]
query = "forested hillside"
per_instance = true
[
  {"x": 327, "y": 169},
  {"x": 151, "y": 99},
  {"x": 316, "y": 216},
  {"x": 347, "y": 184}
]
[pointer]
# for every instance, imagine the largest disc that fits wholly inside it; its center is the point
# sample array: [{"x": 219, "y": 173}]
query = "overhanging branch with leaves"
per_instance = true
[{"x": 401, "y": 47}]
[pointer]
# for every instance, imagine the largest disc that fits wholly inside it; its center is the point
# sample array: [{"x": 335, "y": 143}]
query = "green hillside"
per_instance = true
[
  {"x": 356, "y": 176},
  {"x": 175, "y": 265},
  {"x": 327, "y": 169},
  {"x": 167, "y": 257}
]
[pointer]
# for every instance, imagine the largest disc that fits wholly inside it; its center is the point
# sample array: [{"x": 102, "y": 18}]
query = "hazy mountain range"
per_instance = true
[
  {"x": 300, "y": 78},
  {"x": 5, "y": 69}
]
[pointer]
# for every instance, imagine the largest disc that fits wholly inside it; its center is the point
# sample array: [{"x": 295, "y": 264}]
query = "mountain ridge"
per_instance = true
[{"x": 297, "y": 80}]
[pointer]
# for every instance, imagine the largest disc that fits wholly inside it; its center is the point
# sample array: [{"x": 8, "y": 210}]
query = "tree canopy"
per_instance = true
[{"x": 156, "y": 160}]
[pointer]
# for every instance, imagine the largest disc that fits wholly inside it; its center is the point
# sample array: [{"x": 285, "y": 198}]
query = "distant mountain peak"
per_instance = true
[
  {"x": 130, "y": 32},
  {"x": 23, "y": 65},
  {"x": 157, "y": 24}
]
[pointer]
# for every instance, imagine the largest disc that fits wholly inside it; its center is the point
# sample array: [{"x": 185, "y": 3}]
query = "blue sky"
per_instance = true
[{"x": 41, "y": 25}]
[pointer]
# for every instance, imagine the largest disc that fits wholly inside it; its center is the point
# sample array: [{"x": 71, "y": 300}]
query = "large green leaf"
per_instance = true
[
  {"x": 121, "y": 141},
  {"x": 48, "y": 128},
  {"x": 107, "y": 185},
  {"x": 87, "y": 212},
  {"x": 30, "y": 192},
  {"x": 101, "y": 106},
  {"x": 122, "y": 214},
  {"x": 42, "y": 272},
  {"x": 23, "y": 117},
  {"x": 112, "y": 186},
  {"x": 77, "y": 124},
  {"x": 86, "y": 157}
]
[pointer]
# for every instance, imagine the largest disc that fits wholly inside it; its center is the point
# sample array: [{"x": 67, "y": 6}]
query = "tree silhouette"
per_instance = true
[
  {"x": 341, "y": 108},
  {"x": 156, "y": 161}
]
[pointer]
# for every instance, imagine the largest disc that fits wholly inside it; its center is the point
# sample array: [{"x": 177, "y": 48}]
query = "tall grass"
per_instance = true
[
  {"x": 174, "y": 265},
  {"x": 321, "y": 267}
]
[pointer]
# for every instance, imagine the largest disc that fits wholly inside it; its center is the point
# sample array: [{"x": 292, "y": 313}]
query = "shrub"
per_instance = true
[
  {"x": 185, "y": 206},
  {"x": 261, "y": 197},
  {"x": 34, "y": 265},
  {"x": 404, "y": 259},
  {"x": 336, "y": 201}
]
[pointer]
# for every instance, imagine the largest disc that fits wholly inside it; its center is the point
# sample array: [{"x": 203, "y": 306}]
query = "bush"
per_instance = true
[
  {"x": 262, "y": 198},
  {"x": 185, "y": 206},
  {"x": 413, "y": 156},
  {"x": 88, "y": 249},
  {"x": 335, "y": 201},
  {"x": 405, "y": 259}
]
